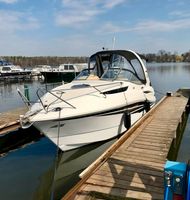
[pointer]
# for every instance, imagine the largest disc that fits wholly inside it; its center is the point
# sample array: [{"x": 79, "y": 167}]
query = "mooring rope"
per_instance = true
[{"x": 57, "y": 156}]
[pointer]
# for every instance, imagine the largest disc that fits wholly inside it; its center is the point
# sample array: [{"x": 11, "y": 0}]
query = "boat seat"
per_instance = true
[{"x": 92, "y": 77}]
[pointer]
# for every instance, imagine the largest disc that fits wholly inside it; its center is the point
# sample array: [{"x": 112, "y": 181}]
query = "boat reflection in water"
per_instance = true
[
  {"x": 35, "y": 170},
  {"x": 68, "y": 167}
]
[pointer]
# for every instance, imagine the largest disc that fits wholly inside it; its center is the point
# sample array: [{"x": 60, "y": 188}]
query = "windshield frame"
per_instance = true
[{"x": 99, "y": 70}]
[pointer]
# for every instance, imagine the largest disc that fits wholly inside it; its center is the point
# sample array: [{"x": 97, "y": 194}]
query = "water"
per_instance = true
[
  {"x": 27, "y": 173},
  {"x": 22, "y": 171},
  {"x": 167, "y": 77},
  {"x": 9, "y": 94}
]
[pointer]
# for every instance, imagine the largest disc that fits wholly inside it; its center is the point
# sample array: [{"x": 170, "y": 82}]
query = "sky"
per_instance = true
[{"x": 83, "y": 27}]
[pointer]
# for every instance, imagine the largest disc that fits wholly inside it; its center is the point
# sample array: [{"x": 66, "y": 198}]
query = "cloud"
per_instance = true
[
  {"x": 8, "y": 1},
  {"x": 113, "y": 3},
  {"x": 74, "y": 12},
  {"x": 180, "y": 14},
  {"x": 162, "y": 26},
  {"x": 74, "y": 18},
  {"x": 109, "y": 27},
  {"x": 65, "y": 44},
  {"x": 146, "y": 26},
  {"x": 12, "y": 21}
]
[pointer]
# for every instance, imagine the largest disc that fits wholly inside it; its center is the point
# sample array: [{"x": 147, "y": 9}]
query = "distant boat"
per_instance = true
[
  {"x": 65, "y": 72},
  {"x": 36, "y": 71},
  {"x": 10, "y": 70},
  {"x": 101, "y": 103}
]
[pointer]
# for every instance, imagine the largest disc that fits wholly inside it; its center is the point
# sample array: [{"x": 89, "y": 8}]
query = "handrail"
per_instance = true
[
  {"x": 25, "y": 100},
  {"x": 45, "y": 106},
  {"x": 61, "y": 90},
  {"x": 93, "y": 86},
  {"x": 98, "y": 90},
  {"x": 37, "y": 93},
  {"x": 103, "y": 85},
  {"x": 62, "y": 100}
]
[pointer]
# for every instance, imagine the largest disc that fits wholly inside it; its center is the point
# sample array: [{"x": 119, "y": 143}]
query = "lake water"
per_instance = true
[{"x": 27, "y": 173}]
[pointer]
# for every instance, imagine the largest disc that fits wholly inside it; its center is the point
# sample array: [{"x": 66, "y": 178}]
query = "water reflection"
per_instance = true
[
  {"x": 9, "y": 97},
  {"x": 161, "y": 68},
  {"x": 169, "y": 77},
  {"x": 35, "y": 171},
  {"x": 19, "y": 138},
  {"x": 70, "y": 164},
  {"x": 21, "y": 170},
  {"x": 186, "y": 68},
  {"x": 184, "y": 150}
]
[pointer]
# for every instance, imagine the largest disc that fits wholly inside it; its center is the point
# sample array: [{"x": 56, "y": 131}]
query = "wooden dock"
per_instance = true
[
  {"x": 11, "y": 136},
  {"x": 10, "y": 120},
  {"x": 132, "y": 168}
]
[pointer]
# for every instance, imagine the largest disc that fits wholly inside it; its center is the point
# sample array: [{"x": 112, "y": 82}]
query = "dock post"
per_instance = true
[
  {"x": 26, "y": 92},
  {"x": 187, "y": 109}
]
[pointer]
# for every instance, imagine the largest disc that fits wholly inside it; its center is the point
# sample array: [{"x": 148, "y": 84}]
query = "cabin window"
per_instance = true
[
  {"x": 71, "y": 67},
  {"x": 66, "y": 67},
  {"x": 6, "y": 69}
]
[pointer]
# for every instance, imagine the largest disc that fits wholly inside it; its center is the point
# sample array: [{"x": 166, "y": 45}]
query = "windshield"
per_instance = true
[
  {"x": 6, "y": 69},
  {"x": 112, "y": 66}
]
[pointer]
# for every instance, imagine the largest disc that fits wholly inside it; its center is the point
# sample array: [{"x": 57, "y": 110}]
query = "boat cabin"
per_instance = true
[
  {"x": 10, "y": 69},
  {"x": 77, "y": 67},
  {"x": 67, "y": 68}
]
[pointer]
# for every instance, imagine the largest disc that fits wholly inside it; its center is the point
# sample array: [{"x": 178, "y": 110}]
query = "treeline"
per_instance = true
[
  {"x": 161, "y": 56},
  {"x": 164, "y": 56},
  {"x": 43, "y": 60}
]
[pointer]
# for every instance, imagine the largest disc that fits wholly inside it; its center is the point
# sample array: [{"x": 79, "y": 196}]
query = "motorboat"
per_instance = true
[
  {"x": 65, "y": 72},
  {"x": 101, "y": 103},
  {"x": 36, "y": 71},
  {"x": 8, "y": 69}
]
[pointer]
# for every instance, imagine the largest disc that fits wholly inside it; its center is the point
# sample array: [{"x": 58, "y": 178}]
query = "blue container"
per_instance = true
[
  {"x": 174, "y": 179},
  {"x": 188, "y": 182}
]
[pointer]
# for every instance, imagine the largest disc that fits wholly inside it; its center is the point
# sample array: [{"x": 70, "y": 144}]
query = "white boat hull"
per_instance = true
[
  {"x": 75, "y": 133},
  {"x": 100, "y": 104}
]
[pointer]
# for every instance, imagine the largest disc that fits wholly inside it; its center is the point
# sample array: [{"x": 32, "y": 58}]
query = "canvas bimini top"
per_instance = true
[
  {"x": 118, "y": 65},
  {"x": 126, "y": 53}
]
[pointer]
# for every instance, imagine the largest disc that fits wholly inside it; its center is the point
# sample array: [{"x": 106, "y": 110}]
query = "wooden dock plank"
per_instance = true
[
  {"x": 10, "y": 120},
  {"x": 113, "y": 182},
  {"x": 155, "y": 158},
  {"x": 144, "y": 139},
  {"x": 133, "y": 166},
  {"x": 122, "y": 192},
  {"x": 127, "y": 176},
  {"x": 120, "y": 165}
]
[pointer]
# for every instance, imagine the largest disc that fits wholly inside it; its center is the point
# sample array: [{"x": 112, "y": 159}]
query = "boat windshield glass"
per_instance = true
[
  {"x": 120, "y": 68},
  {"x": 114, "y": 67},
  {"x": 89, "y": 73}
]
